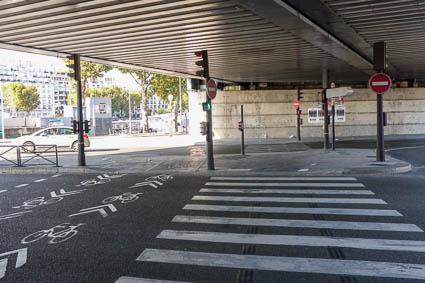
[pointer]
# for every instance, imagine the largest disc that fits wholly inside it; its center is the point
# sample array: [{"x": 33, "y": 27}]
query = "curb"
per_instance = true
[{"x": 368, "y": 171}]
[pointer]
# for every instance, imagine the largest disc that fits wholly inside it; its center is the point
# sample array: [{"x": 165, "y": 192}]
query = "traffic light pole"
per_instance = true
[
  {"x": 209, "y": 138},
  {"x": 333, "y": 127},
  {"x": 242, "y": 133},
  {"x": 77, "y": 70},
  {"x": 325, "y": 85}
]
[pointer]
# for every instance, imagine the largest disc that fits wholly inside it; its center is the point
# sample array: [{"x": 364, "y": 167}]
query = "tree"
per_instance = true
[
  {"x": 21, "y": 97},
  {"x": 88, "y": 70},
  {"x": 144, "y": 79},
  {"x": 163, "y": 85}
]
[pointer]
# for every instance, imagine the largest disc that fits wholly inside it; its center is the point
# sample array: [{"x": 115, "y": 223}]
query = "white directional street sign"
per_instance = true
[
  {"x": 21, "y": 259},
  {"x": 100, "y": 209},
  {"x": 339, "y": 92}
]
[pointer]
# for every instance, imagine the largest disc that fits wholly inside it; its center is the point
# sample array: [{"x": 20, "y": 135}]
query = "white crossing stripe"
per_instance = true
[
  {"x": 303, "y": 200},
  {"x": 283, "y": 179},
  {"x": 298, "y": 191},
  {"x": 301, "y": 210},
  {"x": 288, "y": 264},
  {"x": 57, "y": 175},
  {"x": 3, "y": 191},
  {"x": 22, "y": 185},
  {"x": 319, "y": 224},
  {"x": 126, "y": 279},
  {"x": 295, "y": 240},
  {"x": 39, "y": 180},
  {"x": 303, "y": 170},
  {"x": 329, "y": 185}
]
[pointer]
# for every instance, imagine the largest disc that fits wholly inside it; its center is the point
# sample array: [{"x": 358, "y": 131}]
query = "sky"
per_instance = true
[{"x": 14, "y": 57}]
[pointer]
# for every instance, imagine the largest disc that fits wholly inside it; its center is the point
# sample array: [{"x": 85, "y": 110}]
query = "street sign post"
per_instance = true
[
  {"x": 211, "y": 89},
  {"x": 380, "y": 83}
]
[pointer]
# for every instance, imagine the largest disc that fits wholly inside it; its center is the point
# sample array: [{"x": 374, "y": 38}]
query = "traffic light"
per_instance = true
[
  {"x": 299, "y": 94},
  {"x": 206, "y": 106},
  {"x": 87, "y": 126},
  {"x": 240, "y": 126},
  {"x": 204, "y": 128},
  {"x": 299, "y": 112},
  {"x": 74, "y": 126},
  {"x": 74, "y": 65},
  {"x": 203, "y": 63}
]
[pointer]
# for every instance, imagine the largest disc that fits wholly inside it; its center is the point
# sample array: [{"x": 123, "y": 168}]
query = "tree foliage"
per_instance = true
[
  {"x": 163, "y": 86},
  {"x": 88, "y": 70},
  {"x": 144, "y": 79},
  {"x": 21, "y": 97}
]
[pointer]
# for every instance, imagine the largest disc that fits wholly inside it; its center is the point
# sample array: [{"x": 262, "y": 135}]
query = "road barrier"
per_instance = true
[{"x": 23, "y": 161}]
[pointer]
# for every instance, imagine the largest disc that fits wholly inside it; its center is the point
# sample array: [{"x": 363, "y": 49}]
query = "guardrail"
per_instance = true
[
  {"x": 33, "y": 155},
  {"x": 39, "y": 154},
  {"x": 10, "y": 148}
]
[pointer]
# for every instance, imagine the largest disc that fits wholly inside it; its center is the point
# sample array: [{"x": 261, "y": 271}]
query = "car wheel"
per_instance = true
[
  {"x": 74, "y": 146},
  {"x": 29, "y": 146}
]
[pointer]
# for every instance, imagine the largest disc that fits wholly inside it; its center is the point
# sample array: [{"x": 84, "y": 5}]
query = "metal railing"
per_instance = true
[
  {"x": 39, "y": 154},
  {"x": 9, "y": 149},
  {"x": 32, "y": 154}
]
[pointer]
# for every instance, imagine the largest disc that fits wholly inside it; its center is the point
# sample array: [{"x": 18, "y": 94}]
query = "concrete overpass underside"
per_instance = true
[{"x": 247, "y": 40}]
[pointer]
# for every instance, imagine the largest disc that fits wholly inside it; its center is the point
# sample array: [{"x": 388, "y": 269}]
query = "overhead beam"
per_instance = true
[{"x": 290, "y": 19}]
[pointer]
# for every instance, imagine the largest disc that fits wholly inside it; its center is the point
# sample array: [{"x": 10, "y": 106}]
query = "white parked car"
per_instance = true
[{"x": 61, "y": 136}]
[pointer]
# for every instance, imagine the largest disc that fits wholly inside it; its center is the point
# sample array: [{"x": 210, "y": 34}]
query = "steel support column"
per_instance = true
[{"x": 77, "y": 70}]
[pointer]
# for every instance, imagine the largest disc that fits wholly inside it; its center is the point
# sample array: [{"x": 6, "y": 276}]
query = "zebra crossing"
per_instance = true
[{"x": 256, "y": 205}]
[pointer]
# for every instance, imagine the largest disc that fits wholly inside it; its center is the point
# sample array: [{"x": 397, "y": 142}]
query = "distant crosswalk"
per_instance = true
[{"x": 234, "y": 202}]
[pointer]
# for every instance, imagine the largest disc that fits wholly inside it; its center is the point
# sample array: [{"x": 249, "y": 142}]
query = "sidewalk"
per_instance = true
[{"x": 302, "y": 162}]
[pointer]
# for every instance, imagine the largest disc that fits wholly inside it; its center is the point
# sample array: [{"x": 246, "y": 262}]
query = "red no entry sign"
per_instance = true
[
  {"x": 296, "y": 104},
  {"x": 211, "y": 89},
  {"x": 380, "y": 83}
]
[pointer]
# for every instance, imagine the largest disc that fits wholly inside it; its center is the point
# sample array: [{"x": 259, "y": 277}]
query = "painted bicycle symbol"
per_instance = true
[
  {"x": 28, "y": 204},
  {"x": 93, "y": 182},
  {"x": 159, "y": 178},
  {"x": 58, "y": 234},
  {"x": 124, "y": 198}
]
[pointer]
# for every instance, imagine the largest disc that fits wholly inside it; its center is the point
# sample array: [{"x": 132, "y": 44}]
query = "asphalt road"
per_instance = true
[{"x": 115, "y": 240}]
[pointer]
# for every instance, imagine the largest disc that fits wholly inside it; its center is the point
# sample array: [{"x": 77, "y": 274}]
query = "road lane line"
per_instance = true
[
  {"x": 283, "y": 178},
  {"x": 3, "y": 191},
  {"x": 303, "y": 170},
  {"x": 22, "y": 185},
  {"x": 300, "y": 210},
  {"x": 126, "y": 279},
  {"x": 295, "y": 240},
  {"x": 57, "y": 175},
  {"x": 319, "y": 224},
  {"x": 287, "y": 264},
  {"x": 279, "y": 199},
  {"x": 286, "y": 191},
  {"x": 39, "y": 180},
  {"x": 243, "y": 184}
]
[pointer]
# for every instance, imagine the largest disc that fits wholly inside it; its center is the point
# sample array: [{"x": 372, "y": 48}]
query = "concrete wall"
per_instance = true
[{"x": 270, "y": 114}]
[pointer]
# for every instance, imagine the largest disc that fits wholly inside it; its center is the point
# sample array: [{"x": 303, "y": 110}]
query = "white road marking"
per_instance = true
[
  {"x": 295, "y": 240},
  {"x": 3, "y": 191},
  {"x": 39, "y": 180},
  {"x": 278, "y": 199},
  {"x": 298, "y": 191},
  {"x": 300, "y": 210},
  {"x": 319, "y": 224},
  {"x": 13, "y": 215},
  {"x": 21, "y": 259},
  {"x": 22, "y": 185},
  {"x": 303, "y": 170},
  {"x": 57, "y": 175},
  {"x": 288, "y": 264},
  {"x": 283, "y": 178},
  {"x": 126, "y": 279},
  {"x": 331, "y": 185},
  {"x": 99, "y": 209}
]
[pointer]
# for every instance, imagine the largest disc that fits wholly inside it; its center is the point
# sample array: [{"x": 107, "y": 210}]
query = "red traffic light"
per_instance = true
[
  {"x": 199, "y": 53},
  {"x": 298, "y": 112}
]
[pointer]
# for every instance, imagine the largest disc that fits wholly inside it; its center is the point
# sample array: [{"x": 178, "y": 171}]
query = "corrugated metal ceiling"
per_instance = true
[
  {"x": 400, "y": 23},
  {"x": 163, "y": 34}
]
